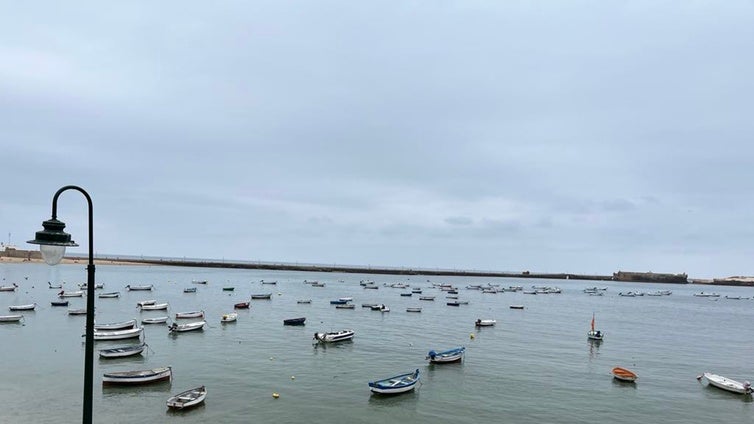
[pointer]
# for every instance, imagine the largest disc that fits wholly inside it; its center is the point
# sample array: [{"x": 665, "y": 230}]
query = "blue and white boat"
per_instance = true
[
  {"x": 394, "y": 385},
  {"x": 450, "y": 355}
]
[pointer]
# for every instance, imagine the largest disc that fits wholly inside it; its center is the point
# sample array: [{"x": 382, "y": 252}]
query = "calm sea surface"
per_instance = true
[{"x": 535, "y": 366}]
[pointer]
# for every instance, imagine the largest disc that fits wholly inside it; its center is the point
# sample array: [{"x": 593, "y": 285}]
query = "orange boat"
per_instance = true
[{"x": 624, "y": 374}]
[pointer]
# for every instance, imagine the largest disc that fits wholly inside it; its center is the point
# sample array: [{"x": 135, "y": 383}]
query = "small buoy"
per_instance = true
[
  {"x": 293, "y": 377},
  {"x": 272, "y": 358},
  {"x": 471, "y": 336},
  {"x": 276, "y": 395}
]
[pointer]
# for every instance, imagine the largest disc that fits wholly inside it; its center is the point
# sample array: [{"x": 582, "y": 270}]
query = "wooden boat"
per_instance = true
[
  {"x": 199, "y": 282},
  {"x": 266, "y": 296},
  {"x": 182, "y": 328},
  {"x": 138, "y": 377},
  {"x": 338, "y": 302},
  {"x": 11, "y": 318},
  {"x": 116, "y": 325},
  {"x": 345, "y": 306},
  {"x": 9, "y": 288},
  {"x": 119, "y": 334},
  {"x": 453, "y": 303},
  {"x": 430, "y": 298},
  {"x": 145, "y": 303},
  {"x": 146, "y": 287},
  {"x": 332, "y": 337},
  {"x": 188, "y": 398},
  {"x": 727, "y": 384},
  {"x": 485, "y": 322},
  {"x": 406, "y": 294},
  {"x": 109, "y": 295},
  {"x": 59, "y": 303},
  {"x": 304, "y": 301},
  {"x": 241, "y": 305},
  {"x": 76, "y": 293},
  {"x": 192, "y": 314},
  {"x": 517, "y": 306},
  {"x": 58, "y": 286},
  {"x": 394, "y": 385},
  {"x": 450, "y": 355},
  {"x": 154, "y": 307},
  {"x": 624, "y": 374},
  {"x": 413, "y": 309},
  {"x": 122, "y": 351},
  {"x": 155, "y": 320},
  {"x": 29, "y": 307},
  {"x": 294, "y": 321},
  {"x": 231, "y": 317},
  {"x": 189, "y": 290},
  {"x": 80, "y": 311},
  {"x": 594, "y": 335},
  {"x": 228, "y": 288}
]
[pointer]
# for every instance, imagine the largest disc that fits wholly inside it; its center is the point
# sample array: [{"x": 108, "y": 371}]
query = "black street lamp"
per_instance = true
[{"x": 52, "y": 241}]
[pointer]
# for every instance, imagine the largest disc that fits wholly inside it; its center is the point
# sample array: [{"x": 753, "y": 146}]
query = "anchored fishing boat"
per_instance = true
[
  {"x": 147, "y": 287},
  {"x": 265, "y": 296},
  {"x": 332, "y": 337},
  {"x": 80, "y": 311},
  {"x": 11, "y": 318},
  {"x": 727, "y": 384},
  {"x": 155, "y": 320},
  {"x": 116, "y": 325},
  {"x": 29, "y": 307},
  {"x": 59, "y": 303},
  {"x": 154, "y": 307},
  {"x": 231, "y": 317},
  {"x": 182, "y": 328},
  {"x": 188, "y": 398},
  {"x": 145, "y": 303},
  {"x": 624, "y": 374},
  {"x": 450, "y": 355},
  {"x": 485, "y": 322},
  {"x": 119, "y": 334},
  {"x": 109, "y": 295},
  {"x": 304, "y": 301},
  {"x": 189, "y": 290},
  {"x": 294, "y": 321},
  {"x": 241, "y": 305},
  {"x": 413, "y": 309},
  {"x": 12, "y": 287},
  {"x": 192, "y": 314},
  {"x": 76, "y": 293},
  {"x": 122, "y": 351},
  {"x": 394, "y": 385},
  {"x": 138, "y": 377}
]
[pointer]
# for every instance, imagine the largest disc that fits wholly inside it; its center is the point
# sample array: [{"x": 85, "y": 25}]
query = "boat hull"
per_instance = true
[
  {"x": 138, "y": 377},
  {"x": 334, "y": 337},
  {"x": 395, "y": 385},
  {"x": 122, "y": 352},
  {"x": 118, "y": 334},
  {"x": 294, "y": 321},
  {"x": 188, "y": 398},
  {"x": 623, "y": 374},
  {"x": 727, "y": 384}
]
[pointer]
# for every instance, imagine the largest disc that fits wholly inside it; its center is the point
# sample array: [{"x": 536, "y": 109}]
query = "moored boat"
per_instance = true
[
  {"x": 155, "y": 320},
  {"x": 116, "y": 325},
  {"x": 59, "y": 303},
  {"x": 413, "y": 309},
  {"x": 703, "y": 294},
  {"x": 28, "y": 307},
  {"x": 304, "y": 301},
  {"x": 12, "y": 287},
  {"x": 430, "y": 298},
  {"x": 188, "y": 398},
  {"x": 182, "y": 328},
  {"x": 146, "y": 287},
  {"x": 191, "y": 314},
  {"x": 624, "y": 374},
  {"x": 294, "y": 321},
  {"x": 265, "y": 296},
  {"x": 80, "y": 311},
  {"x": 594, "y": 334},
  {"x": 76, "y": 293},
  {"x": 335, "y": 336},
  {"x": 11, "y": 318},
  {"x": 109, "y": 295},
  {"x": 119, "y": 334},
  {"x": 517, "y": 306},
  {"x": 485, "y": 322},
  {"x": 230, "y": 317},
  {"x": 727, "y": 384},
  {"x": 138, "y": 376},
  {"x": 241, "y": 305},
  {"x": 154, "y": 307},
  {"x": 145, "y": 303},
  {"x": 122, "y": 351},
  {"x": 345, "y": 306},
  {"x": 394, "y": 385},
  {"x": 189, "y": 290},
  {"x": 54, "y": 286},
  {"x": 228, "y": 288},
  {"x": 450, "y": 355}
]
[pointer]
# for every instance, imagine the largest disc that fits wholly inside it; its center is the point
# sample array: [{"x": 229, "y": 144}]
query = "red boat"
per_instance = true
[{"x": 242, "y": 305}]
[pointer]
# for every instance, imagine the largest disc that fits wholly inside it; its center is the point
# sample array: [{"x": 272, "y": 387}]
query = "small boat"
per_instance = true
[
  {"x": 317, "y": 284},
  {"x": 406, "y": 294},
  {"x": 453, "y": 303},
  {"x": 199, "y": 282},
  {"x": 84, "y": 286},
  {"x": 119, "y": 334},
  {"x": 703, "y": 294},
  {"x": 294, "y": 321},
  {"x": 147, "y": 287},
  {"x": 9, "y": 288},
  {"x": 345, "y": 306},
  {"x": 154, "y": 307},
  {"x": 11, "y": 318},
  {"x": 416, "y": 291},
  {"x": 230, "y": 317},
  {"x": 594, "y": 335},
  {"x": 624, "y": 374},
  {"x": 29, "y": 307},
  {"x": 188, "y": 398},
  {"x": 727, "y": 384},
  {"x": 332, "y": 337},
  {"x": 138, "y": 377},
  {"x": 228, "y": 288},
  {"x": 485, "y": 322},
  {"x": 266, "y": 296},
  {"x": 76, "y": 293},
  {"x": 450, "y": 355},
  {"x": 192, "y": 314},
  {"x": 304, "y": 301},
  {"x": 81, "y": 311},
  {"x": 182, "y": 328},
  {"x": 241, "y": 305},
  {"x": 122, "y": 351},
  {"x": 371, "y": 287},
  {"x": 414, "y": 309},
  {"x": 380, "y": 307},
  {"x": 116, "y": 325},
  {"x": 346, "y": 299},
  {"x": 394, "y": 385},
  {"x": 59, "y": 303},
  {"x": 369, "y": 305},
  {"x": 58, "y": 286},
  {"x": 736, "y": 298},
  {"x": 430, "y": 298},
  {"x": 189, "y": 290},
  {"x": 109, "y": 295},
  {"x": 338, "y": 302},
  {"x": 517, "y": 306},
  {"x": 145, "y": 303},
  {"x": 155, "y": 320},
  {"x": 268, "y": 282}
]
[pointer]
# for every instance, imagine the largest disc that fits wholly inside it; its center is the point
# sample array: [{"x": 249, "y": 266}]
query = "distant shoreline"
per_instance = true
[{"x": 733, "y": 281}]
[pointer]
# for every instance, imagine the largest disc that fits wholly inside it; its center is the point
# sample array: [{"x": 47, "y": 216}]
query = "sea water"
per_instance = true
[{"x": 535, "y": 366}]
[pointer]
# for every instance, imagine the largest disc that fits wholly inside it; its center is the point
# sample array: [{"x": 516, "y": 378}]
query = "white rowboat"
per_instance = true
[
  {"x": 188, "y": 398},
  {"x": 138, "y": 377},
  {"x": 154, "y": 307},
  {"x": 116, "y": 325},
  {"x": 119, "y": 334},
  {"x": 122, "y": 351},
  {"x": 182, "y": 328}
]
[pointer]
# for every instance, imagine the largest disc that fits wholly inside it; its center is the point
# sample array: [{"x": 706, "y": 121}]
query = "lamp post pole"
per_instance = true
[{"x": 53, "y": 235}]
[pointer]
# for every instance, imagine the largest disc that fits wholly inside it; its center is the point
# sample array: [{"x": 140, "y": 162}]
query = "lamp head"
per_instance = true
[{"x": 52, "y": 241}]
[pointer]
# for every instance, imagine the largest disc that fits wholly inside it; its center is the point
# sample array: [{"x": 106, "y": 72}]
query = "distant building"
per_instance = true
[{"x": 651, "y": 277}]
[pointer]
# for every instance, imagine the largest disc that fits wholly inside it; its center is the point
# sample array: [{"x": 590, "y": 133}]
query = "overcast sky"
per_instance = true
[{"x": 548, "y": 136}]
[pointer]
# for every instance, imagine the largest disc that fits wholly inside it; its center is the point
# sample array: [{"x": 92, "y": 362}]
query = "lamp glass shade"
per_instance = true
[{"x": 52, "y": 254}]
